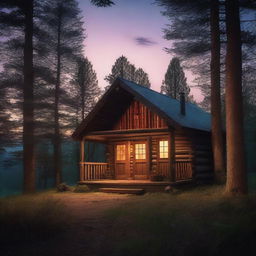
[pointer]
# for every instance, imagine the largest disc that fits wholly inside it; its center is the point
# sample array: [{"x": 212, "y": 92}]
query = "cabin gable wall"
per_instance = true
[{"x": 138, "y": 116}]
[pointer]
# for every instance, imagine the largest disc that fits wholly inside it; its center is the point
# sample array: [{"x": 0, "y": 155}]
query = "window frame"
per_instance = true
[
  {"x": 165, "y": 152},
  {"x": 124, "y": 153},
  {"x": 142, "y": 152}
]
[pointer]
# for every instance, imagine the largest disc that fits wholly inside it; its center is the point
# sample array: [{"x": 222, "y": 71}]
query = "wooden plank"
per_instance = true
[
  {"x": 154, "y": 131},
  {"x": 172, "y": 150},
  {"x": 82, "y": 170},
  {"x": 137, "y": 116},
  {"x": 94, "y": 163},
  {"x": 133, "y": 191},
  {"x": 149, "y": 152}
]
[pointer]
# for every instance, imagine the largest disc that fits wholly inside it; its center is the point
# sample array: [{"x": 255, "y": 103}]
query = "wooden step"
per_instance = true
[{"x": 134, "y": 191}]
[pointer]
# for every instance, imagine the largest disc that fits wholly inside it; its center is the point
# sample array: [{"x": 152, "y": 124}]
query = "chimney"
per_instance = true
[{"x": 182, "y": 104}]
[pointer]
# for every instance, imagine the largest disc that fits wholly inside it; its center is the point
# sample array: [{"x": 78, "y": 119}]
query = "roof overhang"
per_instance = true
[{"x": 118, "y": 84}]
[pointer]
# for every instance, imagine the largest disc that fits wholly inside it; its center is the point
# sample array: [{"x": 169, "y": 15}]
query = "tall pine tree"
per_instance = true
[
  {"x": 20, "y": 20},
  {"x": 141, "y": 77},
  {"x": 85, "y": 87},
  {"x": 124, "y": 69},
  {"x": 175, "y": 81},
  {"x": 63, "y": 22},
  {"x": 217, "y": 133},
  {"x": 236, "y": 170}
]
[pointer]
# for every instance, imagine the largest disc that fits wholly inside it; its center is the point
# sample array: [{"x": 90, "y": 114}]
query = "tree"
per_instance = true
[
  {"x": 124, "y": 69},
  {"x": 189, "y": 31},
  {"x": 85, "y": 87},
  {"x": 141, "y": 77},
  {"x": 175, "y": 80},
  {"x": 217, "y": 133},
  {"x": 192, "y": 44},
  {"x": 5, "y": 123},
  {"x": 121, "y": 68},
  {"x": 236, "y": 170},
  {"x": 63, "y": 22},
  {"x": 20, "y": 16},
  {"x": 102, "y": 3},
  {"x": 28, "y": 102}
]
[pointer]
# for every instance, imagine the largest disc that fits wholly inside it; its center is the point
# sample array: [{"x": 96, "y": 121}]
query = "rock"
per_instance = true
[{"x": 168, "y": 189}]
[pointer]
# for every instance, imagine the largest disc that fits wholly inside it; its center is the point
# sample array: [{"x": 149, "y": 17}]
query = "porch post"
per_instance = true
[
  {"x": 172, "y": 169},
  {"x": 149, "y": 157},
  {"x": 82, "y": 174}
]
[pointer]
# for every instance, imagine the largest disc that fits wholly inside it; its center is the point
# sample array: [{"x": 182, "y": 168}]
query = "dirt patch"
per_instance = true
[
  {"x": 87, "y": 229},
  {"x": 91, "y": 205}
]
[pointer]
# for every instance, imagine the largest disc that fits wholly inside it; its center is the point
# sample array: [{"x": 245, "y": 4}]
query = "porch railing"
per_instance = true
[
  {"x": 92, "y": 171},
  {"x": 183, "y": 169},
  {"x": 97, "y": 171}
]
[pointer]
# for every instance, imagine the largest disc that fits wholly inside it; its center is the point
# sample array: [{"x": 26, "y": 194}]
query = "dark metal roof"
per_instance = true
[{"x": 195, "y": 118}]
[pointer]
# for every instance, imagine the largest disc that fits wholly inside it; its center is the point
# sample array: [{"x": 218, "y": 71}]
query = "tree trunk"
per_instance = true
[
  {"x": 217, "y": 135},
  {"x": 57, "y": 139},
  {"x": 236, "y": 169},
  {"x": 28, "y": 103}
]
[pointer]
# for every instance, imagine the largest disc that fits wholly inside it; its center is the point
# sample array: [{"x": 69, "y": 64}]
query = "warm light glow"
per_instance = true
[
  {"x": 163, "y": 149},
  {"x": 140, "y": 151},
  {"x": 120, "y": 152}
]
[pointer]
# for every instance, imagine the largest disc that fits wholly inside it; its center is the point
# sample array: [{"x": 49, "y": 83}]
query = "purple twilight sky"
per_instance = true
[{"x": 132, "y": 28}]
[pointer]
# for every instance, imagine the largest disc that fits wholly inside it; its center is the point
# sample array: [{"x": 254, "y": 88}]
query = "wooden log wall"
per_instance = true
[
  {"x": 131, "y": 148},
  {"x": 193, "y": 156},
  {"x": 138, "y": 116},
  {"x": 154, "y": 150},
  {"x": 110, "y": 157},
  {"x": 203, "y": 159},
  {"x": 184, "y": 156}
]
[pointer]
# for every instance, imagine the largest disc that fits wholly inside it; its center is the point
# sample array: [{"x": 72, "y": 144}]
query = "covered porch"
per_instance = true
[{"x": 111, "y": 170}]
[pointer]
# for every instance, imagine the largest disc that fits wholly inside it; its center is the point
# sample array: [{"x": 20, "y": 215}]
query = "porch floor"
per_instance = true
[{"x": 147, "y": 185}]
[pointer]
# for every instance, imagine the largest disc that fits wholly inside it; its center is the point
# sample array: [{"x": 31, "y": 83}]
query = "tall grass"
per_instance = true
[
  {"x": 199, "y": 222},
  {"x": 26, "y": 218}
]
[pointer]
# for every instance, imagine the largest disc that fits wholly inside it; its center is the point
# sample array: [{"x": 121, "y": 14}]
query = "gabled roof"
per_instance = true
[
  {"x": 195, "y": 117},
  {"x": 165, "y": 106}
]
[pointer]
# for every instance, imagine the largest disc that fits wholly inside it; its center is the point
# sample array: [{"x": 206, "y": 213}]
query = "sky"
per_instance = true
[{"x": 132, "y": 28}]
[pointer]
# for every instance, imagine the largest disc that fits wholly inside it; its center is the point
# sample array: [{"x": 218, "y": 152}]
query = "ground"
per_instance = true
[
  {"x": 87, "y": 229},
  {"x": 90, "y": 225},
  {"x": 201, "y": 221}
]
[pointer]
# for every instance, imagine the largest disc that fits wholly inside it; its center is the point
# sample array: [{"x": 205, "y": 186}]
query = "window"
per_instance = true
[
  {"x": 163, "y": 149},
  {"x": 140, "y": 151},
  {"x": 120, "y": 152}
]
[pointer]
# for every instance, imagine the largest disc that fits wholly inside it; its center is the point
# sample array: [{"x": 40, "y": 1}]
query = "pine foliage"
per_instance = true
[
  {"x": 175, "y": 81},
  {"x": 85, "y": 88},
  {"x": 124, "y": 69}
]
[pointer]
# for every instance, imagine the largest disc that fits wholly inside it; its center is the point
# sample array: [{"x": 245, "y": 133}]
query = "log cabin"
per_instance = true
[{"x": 150, "y": 138}]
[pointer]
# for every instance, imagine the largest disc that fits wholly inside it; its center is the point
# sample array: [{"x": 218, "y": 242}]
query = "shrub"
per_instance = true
[
  {"x": 63, "y": 187},
  {"x": 81, "y": 189}
]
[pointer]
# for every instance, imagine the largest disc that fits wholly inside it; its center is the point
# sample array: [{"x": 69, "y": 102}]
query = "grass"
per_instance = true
[
  {"x": 203, "y": 221},
  {"x": 252, "y": 181},
  {"x": 199, "y": 221},
  {"x": 31, "y": 217}
]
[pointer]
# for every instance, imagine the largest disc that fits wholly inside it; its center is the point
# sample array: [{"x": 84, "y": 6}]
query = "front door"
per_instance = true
[
  {"x": 140, "y": 160},
  {"x": 122, "y": 170}
]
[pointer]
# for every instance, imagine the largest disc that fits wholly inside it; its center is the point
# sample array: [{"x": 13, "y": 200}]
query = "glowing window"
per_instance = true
[
  {"x": 140, "y": 151},
  {"x": 120, "y": 152},
  {"x": 163, "y": 148}
]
